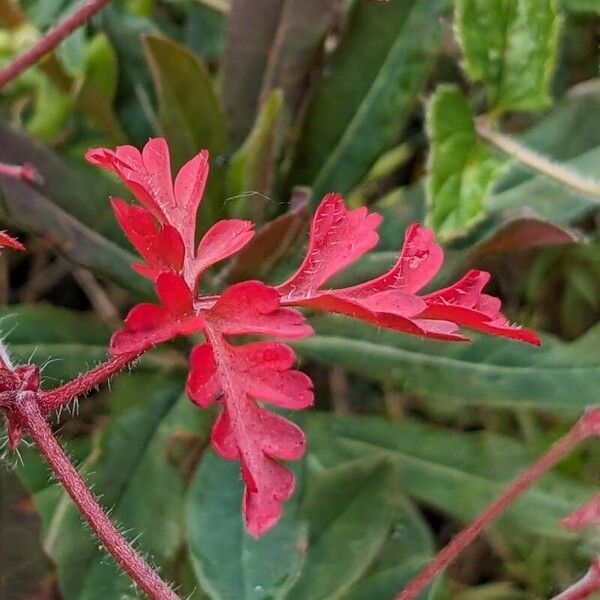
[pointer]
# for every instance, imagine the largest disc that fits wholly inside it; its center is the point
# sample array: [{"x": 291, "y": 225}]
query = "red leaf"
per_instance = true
[
  {"x": 6, "y": 241},
  {"x": 465, "y": 304},
  {"x": 238, "y": 376},
  {"x": 253, "y": 307},
  {"x": 164, "y": 233},
  {"x": 338, "y": 237},
  {"x": 149, "y": 324},
  {"x": 222, "y": 240},
  {"x": 161, "y": 248}
]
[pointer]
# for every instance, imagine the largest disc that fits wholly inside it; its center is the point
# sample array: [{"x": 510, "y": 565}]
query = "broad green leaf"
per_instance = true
[
  {"x": 408, "y": 549},
  {"x": 510, "y": 45},
  {"x": 64, "y": 342},
  {"x": 204, "y": 30},
  {"x": 461, "y": 170},
  {"x": 359, "y": 108},
  {"x": 131, "y": 468},
  {"x": 454, "y": 471},
  {"x": 253, "y": 165},
  {"x": 347, "y": 507},
  {"x": 230, "y": 564},
  {"x": 70, "y": 209},
  {"x": 488, "y": 371},
  {"x": 271, "y": 44},
  {"x": 189, "y": 113}
]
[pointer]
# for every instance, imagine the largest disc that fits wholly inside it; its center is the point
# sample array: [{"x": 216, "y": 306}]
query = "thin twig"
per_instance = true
[
  {"x": 585, "y": 427},
  {"x": 541, "y": 164},
  {"x": 25, "y": 172},
  {"x": 97, "y": 296},
  {"x": 51, "y": 39},
  {"x": 131, "y": 562}
]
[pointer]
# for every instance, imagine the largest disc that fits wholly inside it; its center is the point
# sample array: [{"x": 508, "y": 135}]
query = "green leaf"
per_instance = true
[
  {"x": 132, "y": 470},
  {"x": 461, "y": 170},
  {"x": 454, "y": 471},
  {"x": 228, "y": 562},
  {"x": 253, "y": 165},
  {"x": 271, "y": 44},
  {"x": 101, "y": 66},
  {"x": 64, "y": 341},
  {"x": 347, "y": 507},
  {"x": 189, "y": 113},
  {"x": 70, "y": 209},
  {"x": 408, "y": 549},
  {"x": 488, "y": 371},
  {"x": 583, "y": 6},
  {"x": 358, "y": 110},
  {"x": 510, "y": 45}
]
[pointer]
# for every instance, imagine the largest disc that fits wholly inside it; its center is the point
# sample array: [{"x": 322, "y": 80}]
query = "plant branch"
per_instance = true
[
  {"x": 588, "y": 425},
  {"x": 585, "y": 587},
  {"x": 57, "y": 397},
  {"x": 51, "y": 39},
  {"x": 509, "y": 145},
  {"x": 25, "y": 172},
  {"x": 145, "y": 577}
]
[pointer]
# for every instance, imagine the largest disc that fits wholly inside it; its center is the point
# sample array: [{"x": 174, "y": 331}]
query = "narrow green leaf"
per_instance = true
[
  {"x": 487, "y": 371},
  {"x": 510, "y": 45},
  {"x": 228, "y": 562},
  {"x": 271, "y": 44},
  {"x": 252, "y": 166},
  {"x": 189, "y": 113},
  {"x": 132, "y": 471},
  {"x": 454, "y": 471},
  {"x": 347, "y": 508},
  {"x": 70, "y": 209},
  {"x": 359, "y": 109},
  {"x": 461, "y": 170}
]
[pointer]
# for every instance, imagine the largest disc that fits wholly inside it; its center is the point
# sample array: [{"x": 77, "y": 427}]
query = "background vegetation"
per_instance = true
[{"x": 478, "y": 117}]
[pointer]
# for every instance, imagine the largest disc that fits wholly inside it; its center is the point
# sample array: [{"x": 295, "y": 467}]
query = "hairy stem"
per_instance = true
[
  {"x": 54, "y": 399},
  {"x": 131, "y": 562},
  {"x": 51, "y": 39},
  {"x": 585, "y": 427},
  {"x": 539, "y": 163}
]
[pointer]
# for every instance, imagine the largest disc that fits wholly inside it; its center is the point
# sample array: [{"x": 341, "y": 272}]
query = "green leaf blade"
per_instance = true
[
  {"x": 461, "y": 170},
  {"x": 510, "y": 45}
]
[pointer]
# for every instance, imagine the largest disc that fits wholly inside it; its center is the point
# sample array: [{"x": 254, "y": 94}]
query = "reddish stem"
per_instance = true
[
  {"x": 581, "y": 430},
  {"x": 26, "y": 172},
  {"x": 51, "y": 39},
  {"x": 54, "y": 399},
  {"x": 139, "y": 570},
  {"x": 585, "y": 587}
]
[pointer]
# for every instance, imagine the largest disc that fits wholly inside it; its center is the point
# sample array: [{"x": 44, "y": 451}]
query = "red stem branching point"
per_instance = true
[
  {"x": 587, "y": 426},
  {"x": 83, "y": 13},
  {"x": 24, "y": 172},
  {"x": 29, "y": 413}
]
